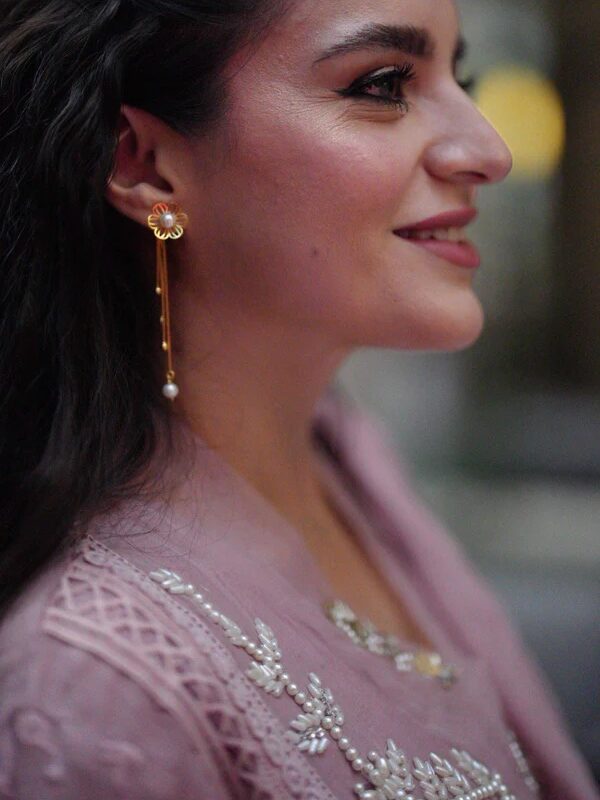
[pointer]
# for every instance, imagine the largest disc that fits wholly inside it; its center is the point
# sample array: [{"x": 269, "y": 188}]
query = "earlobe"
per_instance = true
[{"x": 136, "y": 184}]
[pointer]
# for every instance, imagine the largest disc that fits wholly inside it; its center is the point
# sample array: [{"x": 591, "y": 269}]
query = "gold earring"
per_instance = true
[{"x": 168, "y": 222}]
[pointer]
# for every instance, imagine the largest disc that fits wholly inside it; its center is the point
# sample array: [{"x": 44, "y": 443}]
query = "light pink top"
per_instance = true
[{"x": 112, "y": 687}]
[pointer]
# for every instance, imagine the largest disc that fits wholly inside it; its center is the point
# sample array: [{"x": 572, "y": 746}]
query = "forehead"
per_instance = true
[{"x": 310, "y": 28}]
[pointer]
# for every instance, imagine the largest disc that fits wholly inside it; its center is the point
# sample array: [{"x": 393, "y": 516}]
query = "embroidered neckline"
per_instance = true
[
  {"x": 391, "y": 776},
  {"x": 366, "y": 635}
]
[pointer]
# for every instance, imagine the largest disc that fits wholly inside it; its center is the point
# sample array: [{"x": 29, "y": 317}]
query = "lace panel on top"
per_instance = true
[{"x": 102, "y": 606}]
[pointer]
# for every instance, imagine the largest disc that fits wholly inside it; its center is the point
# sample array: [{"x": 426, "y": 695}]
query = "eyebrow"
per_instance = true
[{"x": 408, "y": 39}]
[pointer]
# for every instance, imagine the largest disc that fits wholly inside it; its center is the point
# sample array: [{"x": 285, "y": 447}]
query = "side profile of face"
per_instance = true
[{"x": 345, "y": 126}]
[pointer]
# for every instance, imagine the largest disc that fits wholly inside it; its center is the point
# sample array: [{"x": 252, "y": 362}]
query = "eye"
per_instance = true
[{"x": 383, "y": 86}]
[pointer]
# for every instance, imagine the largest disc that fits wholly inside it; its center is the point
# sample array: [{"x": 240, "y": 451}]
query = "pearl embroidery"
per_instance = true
[
  {"x": 522, "y": 764},
  {"x": 365, "y": 634},
  {"x": 389, "y": 777}
]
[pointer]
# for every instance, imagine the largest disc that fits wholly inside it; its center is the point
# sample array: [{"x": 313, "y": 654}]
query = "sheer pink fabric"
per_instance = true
[{"x": 112, "y": 688}]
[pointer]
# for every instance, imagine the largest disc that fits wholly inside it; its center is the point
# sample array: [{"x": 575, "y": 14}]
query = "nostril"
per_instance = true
[
  {"x": 478, "y": 176},
  {"x": 473, "y": 177}
]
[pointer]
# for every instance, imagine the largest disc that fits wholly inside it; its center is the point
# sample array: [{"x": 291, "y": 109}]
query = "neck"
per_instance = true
[{"x": 252, "y": 398}]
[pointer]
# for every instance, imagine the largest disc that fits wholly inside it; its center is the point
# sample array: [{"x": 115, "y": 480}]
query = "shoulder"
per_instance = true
[{"x": 103, "y": 694}]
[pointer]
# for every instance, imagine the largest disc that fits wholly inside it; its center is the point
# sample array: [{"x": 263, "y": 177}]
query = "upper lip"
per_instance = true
[{"x": 448, "y": 219}]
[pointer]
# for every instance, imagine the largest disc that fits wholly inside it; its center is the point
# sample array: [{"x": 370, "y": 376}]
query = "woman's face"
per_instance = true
[{"x": 345, "y": 126}]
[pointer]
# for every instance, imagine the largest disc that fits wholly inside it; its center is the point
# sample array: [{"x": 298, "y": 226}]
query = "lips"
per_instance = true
[
  {"x": 449, "y": 219},
  {"x": 442, "y": 235}
]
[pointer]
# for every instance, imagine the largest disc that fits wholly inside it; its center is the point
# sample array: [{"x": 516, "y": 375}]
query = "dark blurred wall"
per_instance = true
[{"x": 576, "y": 319}]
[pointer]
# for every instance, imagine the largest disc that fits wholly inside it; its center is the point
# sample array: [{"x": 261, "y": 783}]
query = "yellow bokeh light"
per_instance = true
[{"x": 526, "y": 109}]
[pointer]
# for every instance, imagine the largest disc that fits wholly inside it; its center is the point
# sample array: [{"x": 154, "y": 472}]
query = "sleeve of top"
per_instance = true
[
  {"x": 89, "y": 732},
  {"x": 102, "y": 697}
]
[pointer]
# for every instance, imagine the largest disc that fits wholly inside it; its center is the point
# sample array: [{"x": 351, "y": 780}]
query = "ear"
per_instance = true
[{"x": 142, "y": 176}]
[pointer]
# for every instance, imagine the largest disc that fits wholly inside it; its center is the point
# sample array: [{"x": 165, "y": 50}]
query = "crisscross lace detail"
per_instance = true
[{"x": 108, "y": 607}]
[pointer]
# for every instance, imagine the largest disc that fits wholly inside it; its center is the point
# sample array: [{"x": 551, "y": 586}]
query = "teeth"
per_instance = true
[{"x": 441, "y": 234}]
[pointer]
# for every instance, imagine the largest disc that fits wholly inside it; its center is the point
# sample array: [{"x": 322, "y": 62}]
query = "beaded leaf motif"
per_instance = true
[
  {"x": 390, "y": 777},
  {"x": 323, "y": 715},
  {"x": 364, "y": 634}
]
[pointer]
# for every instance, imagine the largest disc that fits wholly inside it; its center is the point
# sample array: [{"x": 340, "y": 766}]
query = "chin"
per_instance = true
[
  {"x": 449, "y": 328},
  {"x": 460, "y": 333},
  {"x": 461, "y": 343}
]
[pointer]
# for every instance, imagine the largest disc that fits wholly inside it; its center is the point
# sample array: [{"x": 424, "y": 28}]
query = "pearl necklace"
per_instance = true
[{"x": 364, "y": 634}]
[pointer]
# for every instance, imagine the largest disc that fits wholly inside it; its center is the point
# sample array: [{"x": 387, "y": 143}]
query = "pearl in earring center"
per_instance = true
[{"x": 167, "y": 220}]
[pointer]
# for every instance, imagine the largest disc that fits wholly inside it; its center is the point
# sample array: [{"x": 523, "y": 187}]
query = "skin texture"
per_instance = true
[{"x": 290, "y": 261}]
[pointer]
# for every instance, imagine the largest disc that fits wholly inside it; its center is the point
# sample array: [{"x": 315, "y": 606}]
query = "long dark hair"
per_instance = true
[{"x": 80, "y": 402}]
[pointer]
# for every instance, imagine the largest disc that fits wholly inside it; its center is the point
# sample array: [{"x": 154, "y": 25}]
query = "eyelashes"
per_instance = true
[
  {"x": 384, "y": 86},
  {"x": 387, "y": 86}
]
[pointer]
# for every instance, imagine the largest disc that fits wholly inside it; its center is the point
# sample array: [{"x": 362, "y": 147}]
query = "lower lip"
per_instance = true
[{"x": 463, "y": 254}]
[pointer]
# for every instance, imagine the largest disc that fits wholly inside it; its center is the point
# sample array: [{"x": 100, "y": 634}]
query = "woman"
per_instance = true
[{"x": 186, "y": 577}]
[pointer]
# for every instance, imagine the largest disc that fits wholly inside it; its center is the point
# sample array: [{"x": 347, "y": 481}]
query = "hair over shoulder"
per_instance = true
[{"x": 80, "y": 410}]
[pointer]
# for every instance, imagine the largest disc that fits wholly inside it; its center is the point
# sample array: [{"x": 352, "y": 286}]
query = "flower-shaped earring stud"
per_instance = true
[{"x": 167, "y": 221}]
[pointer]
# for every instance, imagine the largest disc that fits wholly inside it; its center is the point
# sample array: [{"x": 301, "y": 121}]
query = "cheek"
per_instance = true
[
  {"x": 313, "y": 202},
  {"x": 315, "y": 176}
]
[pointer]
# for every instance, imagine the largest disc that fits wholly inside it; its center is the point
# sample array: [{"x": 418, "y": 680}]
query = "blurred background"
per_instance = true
[{"x": 504, "y": 439}]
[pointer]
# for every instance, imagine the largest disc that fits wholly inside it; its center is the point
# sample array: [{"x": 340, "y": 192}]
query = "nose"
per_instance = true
[{"x": 466, "y": 148}]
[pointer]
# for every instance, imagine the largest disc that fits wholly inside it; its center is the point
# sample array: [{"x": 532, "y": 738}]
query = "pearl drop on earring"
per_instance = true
[{"x": 170, "y": 390}]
